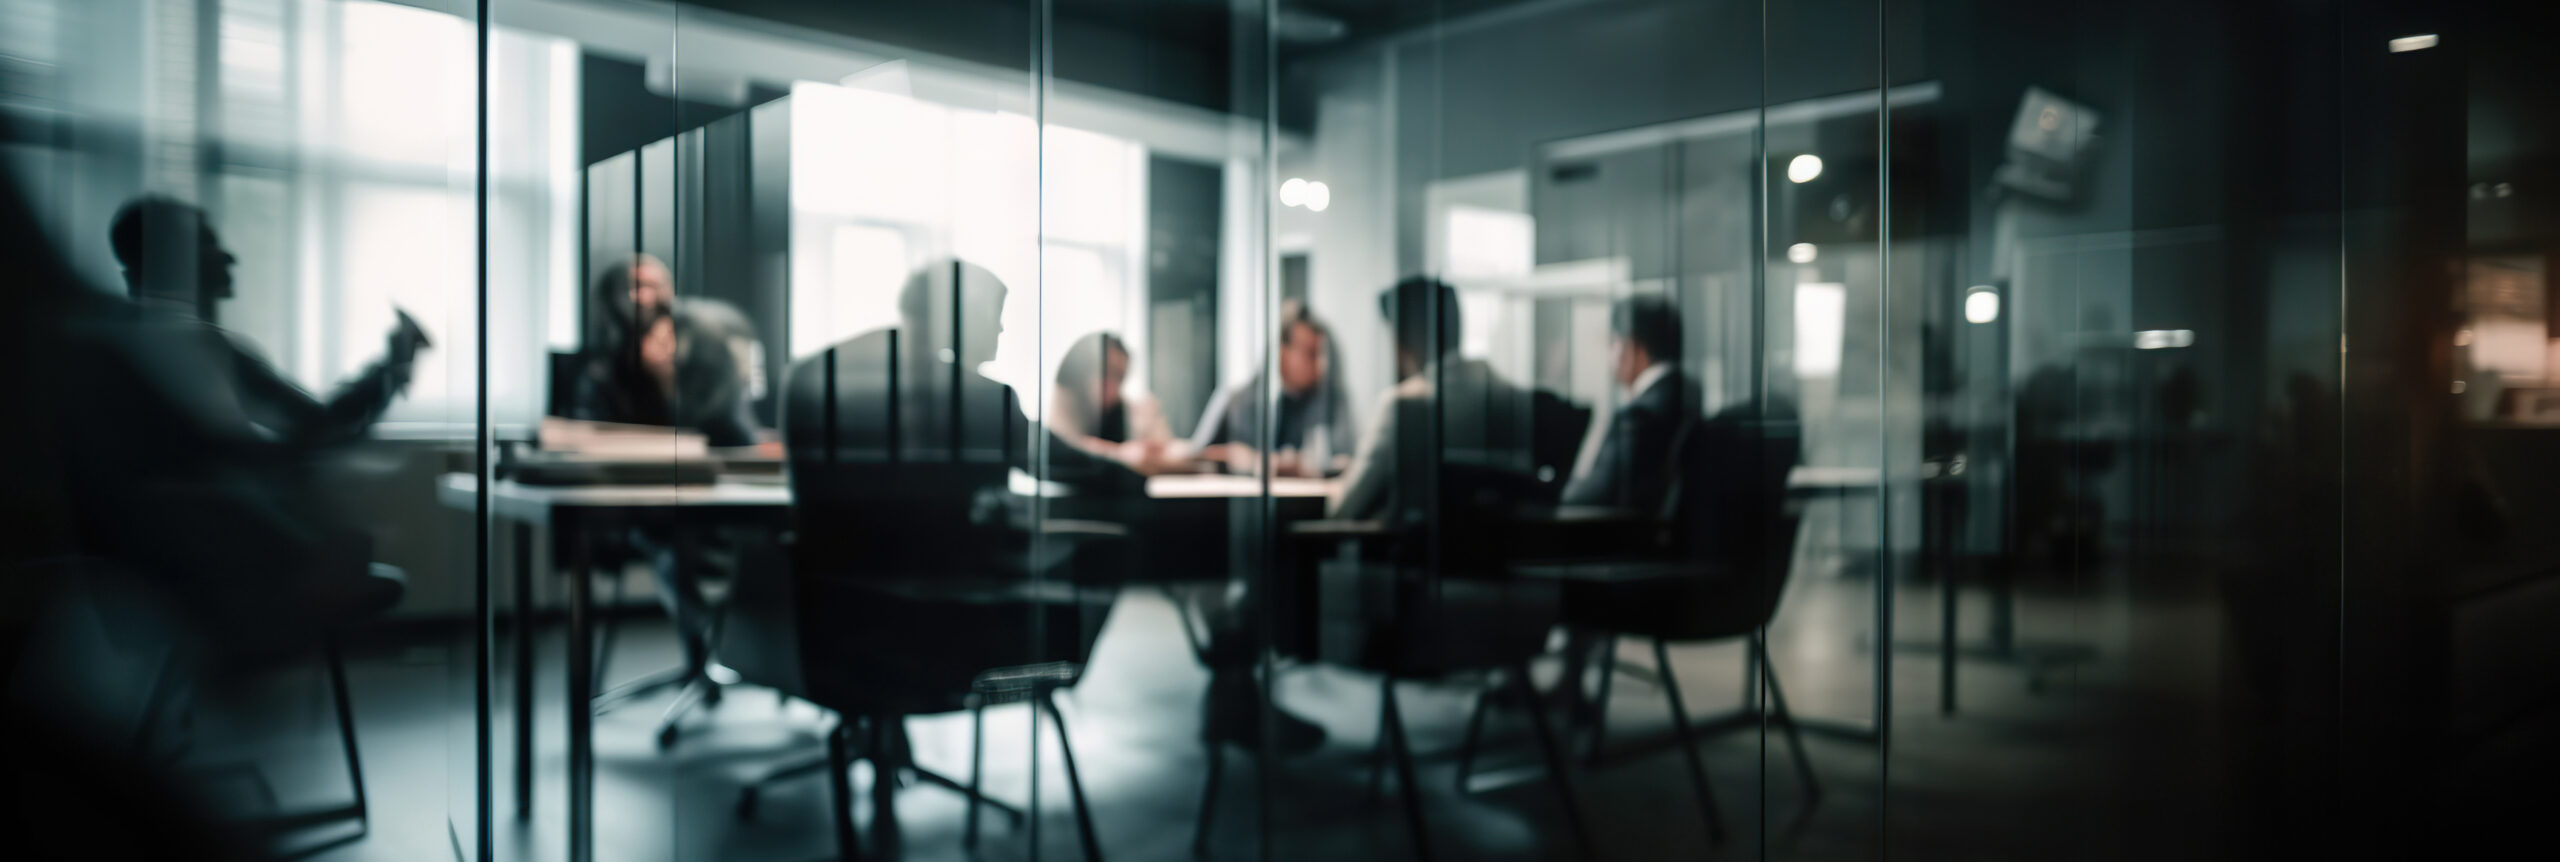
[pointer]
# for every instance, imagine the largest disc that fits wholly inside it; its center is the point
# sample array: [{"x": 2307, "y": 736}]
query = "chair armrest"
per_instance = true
[
  {"x": 1082, "y": 529},
  {"x": 1340, "y": 527}
]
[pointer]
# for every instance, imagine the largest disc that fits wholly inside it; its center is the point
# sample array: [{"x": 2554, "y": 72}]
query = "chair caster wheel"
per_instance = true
[
  {"x": 667, "y": 737},
  {"x": 747, "y": 799}
]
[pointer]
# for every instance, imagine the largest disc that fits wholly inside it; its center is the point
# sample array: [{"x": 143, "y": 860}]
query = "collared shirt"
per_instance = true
[{"x": 1599, "y": 432}]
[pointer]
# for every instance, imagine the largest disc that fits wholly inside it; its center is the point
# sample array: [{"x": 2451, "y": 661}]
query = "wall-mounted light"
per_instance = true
[
  {"x": 2406, "y": 44},
  {"x": 1802, "y": 169},
  {"x": 1802, "y": 252},
  {"x": 1981, "y": 304},
  {"x": 1296, "y": 192},
  {"x": 2163, "y": 339}
]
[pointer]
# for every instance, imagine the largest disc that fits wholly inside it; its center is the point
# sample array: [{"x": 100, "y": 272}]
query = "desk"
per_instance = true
[
  {"x": 1193, "y": 486},
  {"x": 573, "y": 514}
]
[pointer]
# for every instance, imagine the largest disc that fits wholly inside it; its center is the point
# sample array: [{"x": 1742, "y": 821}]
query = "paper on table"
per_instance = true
[{"x": 619, "y": 440}]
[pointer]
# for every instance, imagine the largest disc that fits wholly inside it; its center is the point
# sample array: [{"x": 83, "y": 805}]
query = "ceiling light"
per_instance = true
[
  {"x": 1318, "y": 196},
  {"x": 1293, "y": 192},
  {"x": 1802, "y": 169},
  {"x": 1802, "y": 252},
  {"x": 2163, "y": 339},
  {"x": 1981, "y": 305},
  {"x": 2406, "y": 44}
]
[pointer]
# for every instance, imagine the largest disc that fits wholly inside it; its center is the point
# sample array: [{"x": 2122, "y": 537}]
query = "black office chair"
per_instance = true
[
  {"x": 1715, "y": 573},
  {"x": 911, "y": 585},
  {"x": 611, "y": 556},
  {"x": 1437, "y": 605},
  {"x": 133, "y": 614}
]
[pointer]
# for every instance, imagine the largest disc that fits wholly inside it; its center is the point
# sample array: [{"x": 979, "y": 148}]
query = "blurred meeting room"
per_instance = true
[{"x": 1804, "y": 430}]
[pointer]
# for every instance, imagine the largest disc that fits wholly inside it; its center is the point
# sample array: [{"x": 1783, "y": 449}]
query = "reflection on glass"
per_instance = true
[{"x": 1497, "y": 430}]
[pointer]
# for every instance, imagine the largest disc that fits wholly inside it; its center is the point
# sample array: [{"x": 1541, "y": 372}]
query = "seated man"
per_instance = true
[
  {"x": 1728, "y": 472},
  {"x": 672, "y": 363},
  {"x": 1625, "y": 460},
  {"x": 195, "y": 459},
  {"x": 1444, "y": 410}
]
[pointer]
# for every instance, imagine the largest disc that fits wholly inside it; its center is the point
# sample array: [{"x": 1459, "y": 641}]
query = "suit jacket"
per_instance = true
[{"x": 1633, "y": 466}]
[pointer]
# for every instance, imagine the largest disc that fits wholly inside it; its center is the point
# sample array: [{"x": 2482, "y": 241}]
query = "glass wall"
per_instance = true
[{"x": 751, "y": 429}]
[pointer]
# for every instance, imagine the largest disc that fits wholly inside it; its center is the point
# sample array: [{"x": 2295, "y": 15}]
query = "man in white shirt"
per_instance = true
[{"x": 1445, "y": 410}]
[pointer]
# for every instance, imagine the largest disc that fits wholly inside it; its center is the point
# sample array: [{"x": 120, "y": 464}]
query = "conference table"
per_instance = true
[{"x": 574, "y": 515}]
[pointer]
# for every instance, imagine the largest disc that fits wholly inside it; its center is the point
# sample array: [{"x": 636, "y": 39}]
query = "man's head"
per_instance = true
[
  {"x": 1423, "y": 311},
  {"x": 170, "y": 253},
  {"x": 637, "y": 291},
  {"x": 1643, "y": 330},
  {"x": 1302, "y": 351},
  {"x": 952, "y": 311}
]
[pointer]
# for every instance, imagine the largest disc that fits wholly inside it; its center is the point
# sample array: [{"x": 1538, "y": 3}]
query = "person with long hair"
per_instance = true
[
  {"x": 1311, "y": 431},
  {"x": 1094, "y": 410}
]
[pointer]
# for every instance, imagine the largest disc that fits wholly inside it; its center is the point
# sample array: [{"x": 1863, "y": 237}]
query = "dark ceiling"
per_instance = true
[{"x": 1169, "y": 49}]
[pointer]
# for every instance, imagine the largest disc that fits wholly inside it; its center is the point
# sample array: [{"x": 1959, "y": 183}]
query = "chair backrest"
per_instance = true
[
  {"x": 897, "y": 467},
  {"x": 908, "y": 575},
  {"x": 1729, "y": 503},
  {"x": 561, "y": 398}
]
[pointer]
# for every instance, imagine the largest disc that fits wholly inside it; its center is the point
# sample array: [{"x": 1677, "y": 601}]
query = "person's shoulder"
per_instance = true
[{"x": 712, "y": 314}]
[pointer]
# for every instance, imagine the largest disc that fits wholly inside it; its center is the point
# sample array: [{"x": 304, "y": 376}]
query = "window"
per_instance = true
[
  {"x": 347, "y": 189},
  {"x": 883, "y": 183}
]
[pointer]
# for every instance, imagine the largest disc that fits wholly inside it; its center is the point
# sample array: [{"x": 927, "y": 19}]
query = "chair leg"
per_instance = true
[
  {"x": 1689, "y": 744},
  {"x": 840, "y": 792},
  {"x": 1554, "y": 753},
  {"x": 1378, "y": 753},
  {"x": 1405, "y": 785},
  {"x": 977, "y": 753},
  {"x": 1475, "y": 733},
  {"x": 347, "y": 728},
  {"x": 1075, "y": 784},
  {"x": 1208, "y": 802},
  {"x": 882, "y": 745},
  {"x": 1600, "y": 705},
  {"x": 1787, "y": 723},
  {"x": 612, "y": 624}
]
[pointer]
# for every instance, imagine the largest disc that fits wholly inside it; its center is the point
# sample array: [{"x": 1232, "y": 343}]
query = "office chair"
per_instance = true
[
  {"x": 95, "y": 610},
  {"x": 1436, "y": 603},
  {"x": 612, "y": 555},
  {"x": 908, "y": 585},
  {"x": 1716, "y": 572}
]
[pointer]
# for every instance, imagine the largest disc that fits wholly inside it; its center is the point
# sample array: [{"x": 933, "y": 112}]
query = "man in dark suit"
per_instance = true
[{"x": 1625, "y": 459}]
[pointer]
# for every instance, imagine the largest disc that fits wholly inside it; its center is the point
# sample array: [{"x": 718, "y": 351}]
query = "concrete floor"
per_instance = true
[{"x": 2015, "y": 775}]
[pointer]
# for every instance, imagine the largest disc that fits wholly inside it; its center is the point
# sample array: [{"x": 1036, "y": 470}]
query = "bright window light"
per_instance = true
[
  {"x": 1804, "y": 168},
  {"x": 1489, "y": 243},
  {"x": 2406, "y": 44},
  {"x": 1821, "y": 318},
  {"x": 882, "y": 182}
]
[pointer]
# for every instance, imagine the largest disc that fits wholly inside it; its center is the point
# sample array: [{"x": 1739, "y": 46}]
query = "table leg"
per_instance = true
[
  {"x": 1946, "y": 640},
  {"x": 522, "y": 573},
  {"x": 579, "y": 707}
]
